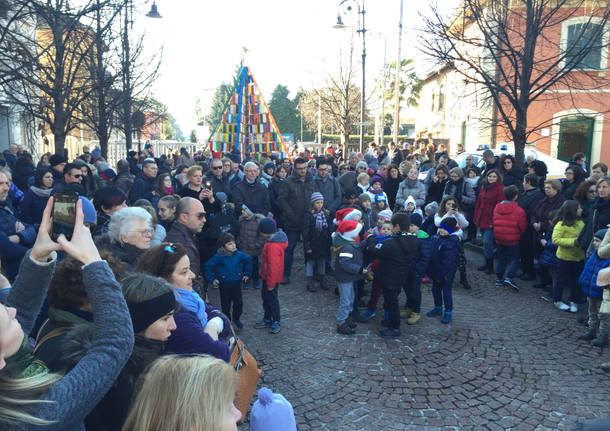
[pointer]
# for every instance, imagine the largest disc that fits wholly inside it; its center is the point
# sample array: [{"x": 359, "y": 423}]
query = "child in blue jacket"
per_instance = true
[
  {"x": 444, "y": 264},
  {"x": 227, "y": 269},
  {"x": 588, "y": 283}
]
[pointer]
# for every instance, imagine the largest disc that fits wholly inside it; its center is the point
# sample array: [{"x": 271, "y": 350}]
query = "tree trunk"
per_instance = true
[{"x": 520, "y": 137}]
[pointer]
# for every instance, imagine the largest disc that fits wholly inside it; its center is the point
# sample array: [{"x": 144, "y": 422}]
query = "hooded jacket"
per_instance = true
[
  {"x": 444, "y": 261},
  {"x": 250, "y": 241},
  {"x": 348, "y": 260},
  {"x": 588, "y": 277},
  {"x": 272, "y": 263},
  {"x": 294, "y": 199},
  {"x": 228, "y": 268},
  {"x": 509, "y": 223},
  {"x": 396, "y": 255}
]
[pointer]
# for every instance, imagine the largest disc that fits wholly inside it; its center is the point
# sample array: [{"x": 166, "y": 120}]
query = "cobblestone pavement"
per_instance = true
[{"x": 507, "y": 361}]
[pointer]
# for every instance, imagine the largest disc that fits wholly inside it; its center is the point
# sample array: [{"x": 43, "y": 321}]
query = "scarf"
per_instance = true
[
  {"x": 41, "y": 193},
  {"x": 320, "y": 218},
  {"x": 24, "y": 363},
  {"x": 169, "y": 190},
  {"x": 192, "y": 302}
]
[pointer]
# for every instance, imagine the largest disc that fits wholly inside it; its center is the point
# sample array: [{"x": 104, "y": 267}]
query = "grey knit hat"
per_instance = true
[{"x": 316, "y": 196}]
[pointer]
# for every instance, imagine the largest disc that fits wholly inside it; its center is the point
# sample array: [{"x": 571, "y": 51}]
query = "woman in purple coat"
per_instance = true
[{"x": 200, "y": 328}]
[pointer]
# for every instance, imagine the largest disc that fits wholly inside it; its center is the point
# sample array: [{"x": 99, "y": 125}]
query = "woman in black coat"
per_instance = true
[
  {"x": 599, "y": 214},
  {"x": 574, "y": 177},
  {"x": 512, "y": 175},
  {"x": 391, "y": 183},
  {"x": 23, "y": 171}
]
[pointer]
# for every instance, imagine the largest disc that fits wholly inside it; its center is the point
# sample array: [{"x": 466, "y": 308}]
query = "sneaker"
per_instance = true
[
  {"x": 262, "y": 324},
  {"x": 344, "y": 329},
  {"x": 436, "y": 311},
  {"x": 508, "y": 282},
  {"x": 390, "y": 333},
  {"x": 562, "y": 306},
  {"x": 406, "y": 313},
  {"x": 600, "y": 341},
  {"x": 368, "y": 314},
  {"x": 588, "y": 335},
  {"x": 413, "y": 319},
  {"x": 275, "y": 328},
  {"x": 215, "y": 286},
  {"x": 446, "y": 317},
  {"x": 547, "y": 298},
  {"x": 499, "y": 282},
  {"x": 238, "y": 324},
  {"x": 573, "y": 307}
]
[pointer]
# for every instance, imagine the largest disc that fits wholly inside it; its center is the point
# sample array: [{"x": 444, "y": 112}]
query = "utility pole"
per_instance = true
[
  {"x": 397, "y": 81},
  {"x": 319, "y": 118},
  {"x": 127, "y": 79}
]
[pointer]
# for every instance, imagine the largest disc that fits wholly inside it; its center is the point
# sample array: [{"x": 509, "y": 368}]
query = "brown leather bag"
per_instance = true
[{"x": 248, "y": 373}]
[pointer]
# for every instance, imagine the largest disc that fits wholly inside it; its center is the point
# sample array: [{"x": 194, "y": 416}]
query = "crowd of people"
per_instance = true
[{"x": 126, "y": 298}]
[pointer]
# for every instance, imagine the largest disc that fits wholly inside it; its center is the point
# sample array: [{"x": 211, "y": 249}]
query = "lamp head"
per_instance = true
[
  {"x": 339, "y": 24},
  {"x": 154, "y": 12}
]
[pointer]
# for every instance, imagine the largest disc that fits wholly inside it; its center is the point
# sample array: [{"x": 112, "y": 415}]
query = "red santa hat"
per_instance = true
[
  {"x": 216, "y": 154},
  {"x": 347, "y": 214},
  {"x": 349, "y": 229}
]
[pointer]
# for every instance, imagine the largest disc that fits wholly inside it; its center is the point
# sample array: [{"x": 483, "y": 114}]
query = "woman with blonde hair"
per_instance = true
[{"x": 186, "y": 393}]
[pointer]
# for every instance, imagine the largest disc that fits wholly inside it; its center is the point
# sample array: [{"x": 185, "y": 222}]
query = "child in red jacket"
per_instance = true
[
  {"x": 272, "y": 273},
  {"x": 509, "y": 223}
]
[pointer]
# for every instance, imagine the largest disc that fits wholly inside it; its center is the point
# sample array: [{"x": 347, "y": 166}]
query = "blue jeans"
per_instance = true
[
  {"x": 441, "y": 291},
  {"x": 504, "y": 253},
  {"x": 271, "y": 303},
  {"x": 315, "y": 265},
  {"x": 488, "y": 243},
  {"x": 346, "y": 300},
  {"x": 293, "y": 239}
]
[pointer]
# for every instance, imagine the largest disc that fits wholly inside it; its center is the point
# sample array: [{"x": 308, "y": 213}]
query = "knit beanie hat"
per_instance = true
[
  {"x": 347, "y": 214},
  {"x": 410, "y": 200},
  {"x": 386, "y": 214},
  {"x": 349, "y": 229},
  {"x": 431, "y": 208},
  {"x": 600, "y": 233},
  {"x": 268, "y": 165},
  {"x": 108, "y": 174},
  {"x": 362, "y": 164},
  {"x": 221, "y": 196},
  {"x": 376, "y": 179},
  {"x": 272, "y": 412},
  {"x": 89, "y": 213},
  {"x": 316, "y": 196},
  {"x": 57, "y": 159},
  {"x": 364, "y": 197},
  {"x": 416, "y": 219},
  {"x": 267, "y": 225},
  {"x": 449, "y": 224},
  {"x": 380, "y": 197},
  {"x": 352, "y": 193}
]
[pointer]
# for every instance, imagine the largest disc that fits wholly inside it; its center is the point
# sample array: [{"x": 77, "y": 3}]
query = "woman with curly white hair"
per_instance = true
[{"x": 129, "y": 234}]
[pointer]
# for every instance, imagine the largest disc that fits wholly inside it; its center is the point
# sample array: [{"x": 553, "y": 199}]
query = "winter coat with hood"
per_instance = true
[
  {"x": 588, "y": 277},
  {"x": 250, "y": 240},
  {"x": 490, "y": 195},
  {"x": 295, "y": 199},
  {"x": 228, "y": 268},
  {"x": 396, "y": 255},
  {"x": 253, "y": 195},
  {"x": 331, "y": 190},
  {"x": 33, "y": 205},
  {"x": 348, "y": 260},
  {"x": 318, "y": 241},
  {"x": 112, "y": 410},
  {"x": 509, "y": 223},
  {"x": 407, "y": 188},
  {"x": 272, "y": 263},
  {"x": 444, "y": 260}
]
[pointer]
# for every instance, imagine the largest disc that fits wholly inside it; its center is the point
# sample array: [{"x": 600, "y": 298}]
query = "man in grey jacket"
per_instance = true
[{"x": 328, "y": 186}]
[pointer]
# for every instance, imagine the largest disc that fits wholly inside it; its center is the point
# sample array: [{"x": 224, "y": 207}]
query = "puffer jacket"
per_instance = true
[
  {"x": 272, "y": 263},
  {"x": 425, "y": 249},
  {"x": 228, "y": 268},
  {"x": 509, "y": 223},
  {"x": 445, "y": 252},
  {"x": 490, "y": 195},
  {"x": 407, "y": 188},
  {"x": 564, "y": 237},
  {"x": 250, "y": 241},
  {"x": 294, "y": 199},
  {"x": 396, "y": 255},
  {"x": 348, "y": 260},
  {"x": 588, "y": 277}
]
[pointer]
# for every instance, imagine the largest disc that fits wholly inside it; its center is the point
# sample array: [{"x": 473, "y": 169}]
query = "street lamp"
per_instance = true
[
  {"x": 362, "y": 30},
  {"x": 154, "y": 12}
]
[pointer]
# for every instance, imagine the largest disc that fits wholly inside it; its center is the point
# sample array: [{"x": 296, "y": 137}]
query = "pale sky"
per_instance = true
[{"x": 290, "y": 42}]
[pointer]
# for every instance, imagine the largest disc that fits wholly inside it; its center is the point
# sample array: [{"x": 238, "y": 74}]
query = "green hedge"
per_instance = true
[{"x": 355, "y": 139}]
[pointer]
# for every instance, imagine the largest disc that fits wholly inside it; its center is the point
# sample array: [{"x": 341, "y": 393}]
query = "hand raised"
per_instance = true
[
  {"x": 44, "y": 245},
  {"x": 81, "y": 246}
]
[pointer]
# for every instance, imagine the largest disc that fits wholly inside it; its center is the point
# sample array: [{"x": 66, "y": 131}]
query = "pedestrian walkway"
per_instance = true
[{"x": 507, "y": 361}]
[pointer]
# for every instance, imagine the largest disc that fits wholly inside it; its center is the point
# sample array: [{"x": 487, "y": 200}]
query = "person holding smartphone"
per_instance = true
[{"x": 200, "y": 188}]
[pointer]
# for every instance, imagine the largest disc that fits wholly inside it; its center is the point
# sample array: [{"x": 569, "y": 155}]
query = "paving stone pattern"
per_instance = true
[{"x": 508, "y": 361}]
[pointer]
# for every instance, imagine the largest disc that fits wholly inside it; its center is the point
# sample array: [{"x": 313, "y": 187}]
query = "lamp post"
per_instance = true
[
  {"x": 362, "y": 30},
  {"x": 128, "y": 23}
]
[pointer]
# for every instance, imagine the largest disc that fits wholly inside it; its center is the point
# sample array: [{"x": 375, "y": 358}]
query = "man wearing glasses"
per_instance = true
[
  {"x": 190, "y": 218},
  {"x": 71, "y": 182},
  {"x": 220, "y": 181}
]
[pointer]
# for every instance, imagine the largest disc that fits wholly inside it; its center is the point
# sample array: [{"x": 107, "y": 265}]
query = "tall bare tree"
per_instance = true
[{"x": 510, "y": 49}]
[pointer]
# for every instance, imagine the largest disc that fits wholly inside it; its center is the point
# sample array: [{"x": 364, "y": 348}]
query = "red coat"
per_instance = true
[
  {"x": 272, "y": 264},
  {"x": 489, "y": 196},
  {"x": 510, "y": 223}
]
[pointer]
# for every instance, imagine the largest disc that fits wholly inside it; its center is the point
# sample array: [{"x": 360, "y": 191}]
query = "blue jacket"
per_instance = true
[
  {"x": 227, "y": 268},
  {"x": 588, "y": 276},
  {"x": 11, "y": 253},
  {"x": 444, "y": 262},
  {"x": 142, "y": 188},
  {"x": 547, "y": 257},
  {"x": 425, "y": 249},
  {"x": 348, "y": 261},
  {"x": 33, "y": 205}
]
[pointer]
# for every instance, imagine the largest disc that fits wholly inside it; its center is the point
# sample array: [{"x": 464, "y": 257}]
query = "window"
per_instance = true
[{"x": 583, "y": 40}]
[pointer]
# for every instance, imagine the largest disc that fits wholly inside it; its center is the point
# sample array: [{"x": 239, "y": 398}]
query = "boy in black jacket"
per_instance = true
[{"x": 395, "y": 255}]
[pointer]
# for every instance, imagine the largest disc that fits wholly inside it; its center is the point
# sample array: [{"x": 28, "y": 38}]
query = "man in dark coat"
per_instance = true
[
  {"x": 294, "y": 201},
  {"x": 220, "y": 181},
  {"x": 491, "y": 162},
  {"x": 528, "y": 200},
  {"x": 328, "y": 186},
  {"x": 190, "y": 218},
  {"x": 251, "y": 192},
  {"x": 71, "y": 181},
  {"x": 144, "y": 183}
]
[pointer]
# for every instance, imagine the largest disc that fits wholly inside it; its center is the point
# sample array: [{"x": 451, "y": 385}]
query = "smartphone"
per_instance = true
[
  {"x": 64, "y": 214},
  {"x": 207, "y": 184}
]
